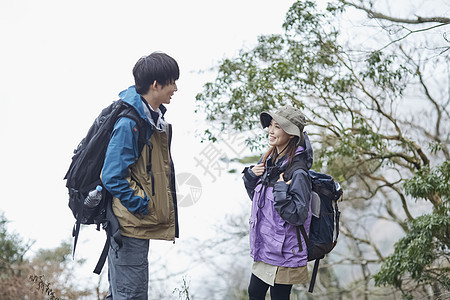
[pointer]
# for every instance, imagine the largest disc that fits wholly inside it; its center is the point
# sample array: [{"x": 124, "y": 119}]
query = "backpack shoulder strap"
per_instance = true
[
  {"x": 130, "y": 112},
  {"x": 111, "y": 227},
  {"x": 314, "y": 275},
  {"x": 298, "y": 163}
]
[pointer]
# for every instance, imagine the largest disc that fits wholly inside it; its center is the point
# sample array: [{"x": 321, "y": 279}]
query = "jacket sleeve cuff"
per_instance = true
[
  {"x": 280, "y": 186},
  {"x": 248, "y": 174}
]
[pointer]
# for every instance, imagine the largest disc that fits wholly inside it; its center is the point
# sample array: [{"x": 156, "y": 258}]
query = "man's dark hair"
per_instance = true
[{"x": 156, "y": 66}]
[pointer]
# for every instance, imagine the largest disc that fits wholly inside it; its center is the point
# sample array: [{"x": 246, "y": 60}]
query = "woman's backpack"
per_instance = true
[{"x": 324, "y": 228}]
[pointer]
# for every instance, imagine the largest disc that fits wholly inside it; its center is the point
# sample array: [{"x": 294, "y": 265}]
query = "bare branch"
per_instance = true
[
  {"x": 419, "y": 20},
  {"x": 411, "y": 32},
  {"x": 397, "y": 190},
  {"x": 390, "y": 211},
  {"x": 345, "y": 231},
  {"x": 372, "y": 97}
]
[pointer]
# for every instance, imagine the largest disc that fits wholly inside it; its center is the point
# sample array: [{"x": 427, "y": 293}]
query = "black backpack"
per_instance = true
[
  {"x": 83, "y": 175},
  {"x": 324, "y": 228}
]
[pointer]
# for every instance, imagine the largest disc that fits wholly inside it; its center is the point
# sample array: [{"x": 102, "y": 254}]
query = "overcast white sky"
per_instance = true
[{"x": 62, "y": 61}]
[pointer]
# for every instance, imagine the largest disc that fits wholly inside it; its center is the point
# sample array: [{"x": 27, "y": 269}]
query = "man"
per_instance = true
[{"x": 142, "y": 184}]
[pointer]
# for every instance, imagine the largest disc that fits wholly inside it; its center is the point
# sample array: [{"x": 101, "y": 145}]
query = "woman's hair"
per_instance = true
[
  {"x": 156, "y": 66},
  {"x": 290, "y": 150}
]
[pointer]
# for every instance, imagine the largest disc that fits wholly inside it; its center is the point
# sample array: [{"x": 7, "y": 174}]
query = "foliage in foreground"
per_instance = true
[{"x": 46, "y": 275}]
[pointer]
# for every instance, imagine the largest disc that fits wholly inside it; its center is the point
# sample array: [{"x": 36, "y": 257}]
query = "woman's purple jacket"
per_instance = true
[{"x": 277, "y": 209}]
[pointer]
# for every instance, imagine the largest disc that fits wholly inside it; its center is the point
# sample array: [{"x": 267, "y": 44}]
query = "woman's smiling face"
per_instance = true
[{"x": 278, "y": 137}]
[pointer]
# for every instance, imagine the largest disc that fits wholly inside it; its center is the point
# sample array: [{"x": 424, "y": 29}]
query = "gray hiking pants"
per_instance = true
[{"x": 128, "y": 269}]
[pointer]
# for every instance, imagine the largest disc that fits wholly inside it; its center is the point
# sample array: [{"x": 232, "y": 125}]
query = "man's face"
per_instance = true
[{"x": 165, "y": 93}]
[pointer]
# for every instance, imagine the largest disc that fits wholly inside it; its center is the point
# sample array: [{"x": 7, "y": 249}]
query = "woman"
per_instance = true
[{"x": 279, "y": 207}]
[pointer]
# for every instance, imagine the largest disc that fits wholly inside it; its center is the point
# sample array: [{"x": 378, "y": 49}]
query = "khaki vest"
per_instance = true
[{"x": 160, "y": 222}]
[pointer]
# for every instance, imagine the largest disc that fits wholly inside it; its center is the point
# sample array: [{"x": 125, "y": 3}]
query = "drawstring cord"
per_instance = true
[
  {"x": 278, "y": 154},
  {"x": 265, "y": 182},
  {"x": 263, "y": 194}
]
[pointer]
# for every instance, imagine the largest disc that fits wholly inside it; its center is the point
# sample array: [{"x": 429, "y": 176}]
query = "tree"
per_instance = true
[
  {"x": 423, "y": 254},
  {"x": 377, "y": 100},
  {"x": 48, "y": 273},
  {"x": 12, "y": 263},
  {"x": 57, "y": 267},
  {"x": 12, "y": 250}
]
